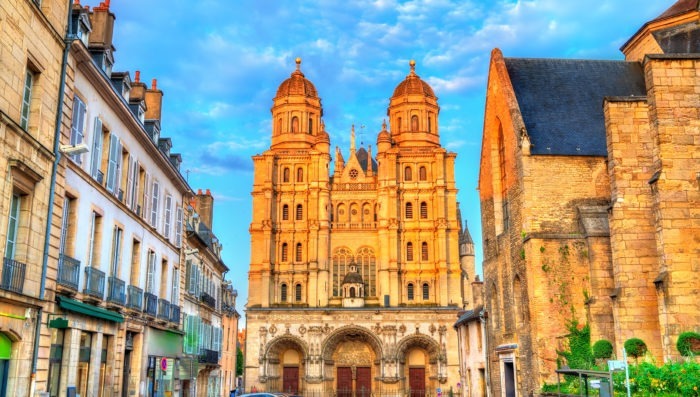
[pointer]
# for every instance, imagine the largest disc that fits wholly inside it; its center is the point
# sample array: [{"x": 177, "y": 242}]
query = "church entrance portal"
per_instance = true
[{"x": 362, "y": 385}]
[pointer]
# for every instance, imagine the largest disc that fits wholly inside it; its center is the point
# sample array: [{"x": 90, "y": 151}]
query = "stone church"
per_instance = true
[
  {"x": 356, "y": 272},
  {"x": 589, "y": 188}
]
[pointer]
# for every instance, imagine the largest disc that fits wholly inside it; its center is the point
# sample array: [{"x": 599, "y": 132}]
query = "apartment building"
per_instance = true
[{"x": 116, "y": 326}]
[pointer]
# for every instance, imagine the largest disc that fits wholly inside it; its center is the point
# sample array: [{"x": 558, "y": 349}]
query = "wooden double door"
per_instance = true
[
  {"x": 362, "y": 385},
  {"x": 290, "y": 380},
  {"x": 416, "y": 381}
]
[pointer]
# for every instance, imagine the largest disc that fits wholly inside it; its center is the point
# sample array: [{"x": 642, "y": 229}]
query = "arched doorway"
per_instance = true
[
  {"x": 285, "y": 359},
  {"x": 5, "y": 354},
  {"x": 422, "y": 364},
  {"x": 352, "y": 356}
]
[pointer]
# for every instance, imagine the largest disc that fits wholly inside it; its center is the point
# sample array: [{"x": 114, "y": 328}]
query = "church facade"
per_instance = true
[{"x": 356, "y": 274}]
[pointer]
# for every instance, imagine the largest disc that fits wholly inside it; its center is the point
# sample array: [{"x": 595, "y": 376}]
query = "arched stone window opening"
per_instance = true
[
  {"x": 295, "y": 124},
  {"x": 409, "y": 210},
  {"x": 297, "y": 257},
  {"x": 409, "y": 252},
  {"x": 414, "y": 123},
  {"x": 300, "y": 212},
  {"x": 284, "y": 252},
  {"x": 409, "y": 291},
  {"x": 285, "y": 212},
  {"x": 283, "y": 292},
  {"x": 426, "y": 291},
  {"x": 407, "y": 174}
]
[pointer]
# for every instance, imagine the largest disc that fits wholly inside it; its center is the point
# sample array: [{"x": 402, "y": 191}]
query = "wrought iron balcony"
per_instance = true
[
  {"x": 116, "y": 293},
  {"x": 94, "y": 282},
  {"x": 135, "y": 297},
  {"x": 208, "y": 356},
  {"x": 163, "y": 309},
  {"x": 68, "y": 272},
  {"x": 151, "y": 304},
  {"x": 174, "y": 314},
  {"x": 12, "y": 275},
  {"x": 208, "y": 300}
]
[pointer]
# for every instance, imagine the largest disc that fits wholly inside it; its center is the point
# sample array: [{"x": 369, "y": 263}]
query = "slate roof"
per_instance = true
[
  {"x": 363, "y": 157},
  {"x": 561, "y": 100},
  {"x": 680, "y": 7},
  {"x": 469, "y": 315}
]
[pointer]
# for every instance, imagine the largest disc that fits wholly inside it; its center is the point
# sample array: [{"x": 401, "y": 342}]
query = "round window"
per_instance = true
[{"x": 353, "y": 174}]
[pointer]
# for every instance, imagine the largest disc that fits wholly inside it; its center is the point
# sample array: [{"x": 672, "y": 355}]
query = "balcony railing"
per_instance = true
[
  {"x": 174, "y": 314},
  {"x": 151, "y": 304},
  {"x": 94, "y": 282},
  {"x": 12, "y": 275},
  {"x": 208, "y": 356},
  {"x": 163, "y": 309},
  {"x": 353, "y": 225},
  {"x": 68, "y": 272},
  {"x": 116, "y": 293},
  {"x": 135, "y": 297},
  {"x": 208, "y": 300}
]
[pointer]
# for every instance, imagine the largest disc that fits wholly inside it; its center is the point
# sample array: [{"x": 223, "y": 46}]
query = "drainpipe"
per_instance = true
[
  {"x": 482, "y": 317},
  {"x": 52, "y": 190}
]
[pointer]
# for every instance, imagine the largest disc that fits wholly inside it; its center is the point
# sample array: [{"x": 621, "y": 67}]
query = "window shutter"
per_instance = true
[
  {"x": 78, "y": 127},
  {"x": 155, "y": 195},
  {"x": 146, "y": 197},
  {"x": 134, "y": 171},
  {"x": 130, "y": 183},
  {"x": 112, "y": 162},
  {"x": 167, "y": 215},
  {"x": 95, "y": 162},
  {"x": 178, "y": 226}
]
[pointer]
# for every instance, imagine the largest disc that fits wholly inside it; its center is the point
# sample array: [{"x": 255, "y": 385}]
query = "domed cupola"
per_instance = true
[
  {"x": 296, "y": 113},
  {"x": 353, "y": 287},
  {"x": 413, "y": 112}
]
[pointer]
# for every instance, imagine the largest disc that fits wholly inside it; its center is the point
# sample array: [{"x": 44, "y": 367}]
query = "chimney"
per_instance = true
[
  {"x": 138, "y": 88},
  {"x": 154, "y": 101},
  {"x": 205, "y": 207},
  {"x": 102, "y": 21},
  {"x": 478, "y": 292}
]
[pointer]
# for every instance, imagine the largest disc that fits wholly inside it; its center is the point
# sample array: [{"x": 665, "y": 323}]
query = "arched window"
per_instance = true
[
  {"x": 422, "y": 174},
  {"x": 285, "y": 174},
  {"x": 423, "y": 210},
  {"x": 297, "y": 292},
  {"x": 430, "y": 123},
  {"x": 311, "y": 125},
  {"x": 398, "y": 126},
  {"x": 279, "y": 125},
  {"x": 283, "y": 292},
  {"x": 367, "y": 267},
  {"x": 300, "y": 212},
  {"x": 409, "y": 210},
  {"x": 341, "y": 261},
  {"x": 285, "y": 212},
  {"x": 300, "y": 175},
  {"x": 352, "y": 292},
  {"x": 407, "y": 174},
  {"x": 426, "y": 291},
  {"x": 295, "y": 124},
  {"x": 409, "y": 251},
  {"x": 424, "y": 251},
  {"x": 409, "y": 291},
  {"x": 414, "y": 123},
  {"x": 284, "y": 252},
  {"x": 297, "y": 256}
]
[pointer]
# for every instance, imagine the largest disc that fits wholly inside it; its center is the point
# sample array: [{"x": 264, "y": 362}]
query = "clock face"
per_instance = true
[{"x": 353, "y": 174}]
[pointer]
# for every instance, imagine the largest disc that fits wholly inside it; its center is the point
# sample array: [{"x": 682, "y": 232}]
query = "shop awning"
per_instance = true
[{"x": 89, "y": 310}]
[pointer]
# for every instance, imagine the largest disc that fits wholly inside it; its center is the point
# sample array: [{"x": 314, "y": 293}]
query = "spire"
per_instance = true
[{"x": 352, "y": 140}]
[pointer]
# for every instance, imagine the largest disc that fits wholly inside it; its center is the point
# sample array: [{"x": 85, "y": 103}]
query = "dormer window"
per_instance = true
[
  {"x": 142, "y": 117},
  {"x": 126, "y": 90}
]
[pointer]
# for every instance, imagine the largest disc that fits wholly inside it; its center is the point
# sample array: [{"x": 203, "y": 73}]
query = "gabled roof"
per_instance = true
[
  {"x": 680, "y": 7},
  {"x": 561, "y": 100},
  {"x": 363, "y": 158}
]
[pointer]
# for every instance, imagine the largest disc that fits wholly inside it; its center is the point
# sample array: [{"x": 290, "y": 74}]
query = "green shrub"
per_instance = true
[
  {"x": 688, "y": 344},
  {"x": 670, "y": 379},
  {"x": 635, "y": 347},
  {"x": 602, "y": 349}
]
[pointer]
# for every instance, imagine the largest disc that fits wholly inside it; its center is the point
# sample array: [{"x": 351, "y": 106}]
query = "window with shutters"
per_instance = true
[
  {"x": 409, "y": 210},
  {"x": 409, "y": 291},
  {"x": 285, "y": 212},
  {"x": 424, "y": 251},
  {"x": 94, "y": 246},
  {"x": 283, "y": 292},
  {"x": 167, "y": 216},
  {"x": 114, "y": 164},
  {"x": 145, "y": 213},
  {"x": 409, "y": 251},
  {"x": 135, "y": 262},
  {"x": 178, "y": 226},
  {"x": 68, "y": 226},
  {"x": 151, "y": 273},
  {"x": 77, "y": 129},
  {"x": 13, "y": 226},
  {"x": 96, "y": 152},
  {"x": 116, "y": 251},
  {"x": 29, "y": 79},
  {"x": 298, "y": 253},
  {"x": 129, "y": 185},
  {"x": 155, "y": 197},
  {"x": 423, "y": 210},
  {"x": 300, "y": 212},
  {"x": 284, "y": 253}
]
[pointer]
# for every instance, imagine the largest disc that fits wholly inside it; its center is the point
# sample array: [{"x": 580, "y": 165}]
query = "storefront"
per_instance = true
[{"x": 164, "y": 349}]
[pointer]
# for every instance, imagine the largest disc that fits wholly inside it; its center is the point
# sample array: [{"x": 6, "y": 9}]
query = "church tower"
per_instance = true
[{"x": 290, "y": 226}]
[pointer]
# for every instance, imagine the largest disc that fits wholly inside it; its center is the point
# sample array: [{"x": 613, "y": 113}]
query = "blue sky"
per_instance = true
[{"x": 219, "y": 63}]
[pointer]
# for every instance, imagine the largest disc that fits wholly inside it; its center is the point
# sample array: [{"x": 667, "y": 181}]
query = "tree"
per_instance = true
[{"x": 239, "y": 362}]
